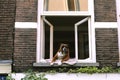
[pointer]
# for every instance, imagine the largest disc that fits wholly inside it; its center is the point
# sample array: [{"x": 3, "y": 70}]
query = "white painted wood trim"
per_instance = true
[
  {"x": 118, "y": 21},
  {"x": 65, "y": 13},
  {"x": 76, "y": 42},
  {"x": 51, "y": 37},
  {"x": 40, "y": 6},
  {"x": 90, "y": 6},
  {"x": 93, "y": 41},
  {"x": 76, "y": 35},
  {"x": 25, "y": 24},
  {"x": 92, "y": 54},
  {"x": 105, "y": 25},
  {"x": 92, "y": 44},
  {"x": 39, "y": 23},
  {"x": 90, "y": 36}
]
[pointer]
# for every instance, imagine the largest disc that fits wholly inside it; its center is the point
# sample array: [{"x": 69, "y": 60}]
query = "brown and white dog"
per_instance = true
[{"x": 62, "y": 54}]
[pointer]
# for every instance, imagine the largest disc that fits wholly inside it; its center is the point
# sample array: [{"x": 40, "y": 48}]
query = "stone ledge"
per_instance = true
[
  {"x": 64, "y": 65},
  {"x": 118, "y": 64},
  {"x": 5, "y": 61},
  {"x": 5, "y": 66}
]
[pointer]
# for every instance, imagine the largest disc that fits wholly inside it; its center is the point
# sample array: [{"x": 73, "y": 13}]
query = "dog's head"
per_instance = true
[{"x": 64, "y": 48}]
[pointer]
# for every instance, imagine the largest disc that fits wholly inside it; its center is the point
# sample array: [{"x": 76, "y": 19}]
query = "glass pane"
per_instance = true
[
  {"x": 71, "y": 5},
  {"x": 56, "y": 5},
  {"x": 83, "y": 5},
  {"x": 83, "y": 42},
  {"x": 66, "y": 5},
  {"x": 47, "y": 41}
]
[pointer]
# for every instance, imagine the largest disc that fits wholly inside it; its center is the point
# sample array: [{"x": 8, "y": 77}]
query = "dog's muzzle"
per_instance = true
[{"x": 64, "y": 50}]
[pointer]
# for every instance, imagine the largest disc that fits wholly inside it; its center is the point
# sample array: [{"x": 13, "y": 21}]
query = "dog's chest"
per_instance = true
[{"x": 60, "y": 55}]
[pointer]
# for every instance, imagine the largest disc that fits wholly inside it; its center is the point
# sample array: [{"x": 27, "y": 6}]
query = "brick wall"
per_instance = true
[
  {"x": 7, "y": 17},
  {"x": 106, "y": 39},
  {"x": 107, "y": 47},
  {"x": 25, "y": 38},
  {"x": 24, "y": 49},
  {"x": 26, "y": 10},
  {"x": 105, "y": 10}
]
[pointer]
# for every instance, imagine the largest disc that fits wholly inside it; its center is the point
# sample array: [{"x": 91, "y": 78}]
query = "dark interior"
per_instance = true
[{"x": 64, "y": 33}]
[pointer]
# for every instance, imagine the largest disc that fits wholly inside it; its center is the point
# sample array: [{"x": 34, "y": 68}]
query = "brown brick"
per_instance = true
[
  {"x": 105, "y": 10},
  {"x": 7, "y": 17},
  {"x": 107, "y": 47},
  {"x": 26, "y": 10},
  {"x": 24, "y": 49}
]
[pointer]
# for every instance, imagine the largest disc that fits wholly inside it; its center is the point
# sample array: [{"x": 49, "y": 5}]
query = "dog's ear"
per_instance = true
[
  {"x": 66, "y": 45},
  {"x": 60, "y": 46}
]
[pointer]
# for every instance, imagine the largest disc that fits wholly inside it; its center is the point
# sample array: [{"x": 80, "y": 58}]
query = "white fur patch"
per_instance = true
[{"x": 60, "y": 55}]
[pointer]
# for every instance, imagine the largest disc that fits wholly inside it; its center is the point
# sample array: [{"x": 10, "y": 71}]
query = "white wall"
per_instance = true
[{"x": 77, "y": 76}]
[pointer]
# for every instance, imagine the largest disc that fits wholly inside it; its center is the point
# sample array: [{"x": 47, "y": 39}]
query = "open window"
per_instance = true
[
  {"x": 66, "y": 21},
  {"x": 73, "y": 30}
]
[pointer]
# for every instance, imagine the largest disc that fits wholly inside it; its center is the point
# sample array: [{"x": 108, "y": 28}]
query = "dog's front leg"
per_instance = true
[
  {"x": 54, "y": 59},
  {"x": 66, "y": 58}
]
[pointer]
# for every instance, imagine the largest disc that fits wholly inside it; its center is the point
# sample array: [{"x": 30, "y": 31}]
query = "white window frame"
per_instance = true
[
  {"x": 76, "y": 41},
  {"x": 69, "y": 13},
  {"x": 40, "y": 31}
]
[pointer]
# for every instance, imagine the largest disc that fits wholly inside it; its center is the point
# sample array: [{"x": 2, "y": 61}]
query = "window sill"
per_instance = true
[
  {"x": 5, "y": 66},
  {"x": 64, "y": 65},
  {"x": 5, "y": 61},
  {"x": 118, "y": 64}
]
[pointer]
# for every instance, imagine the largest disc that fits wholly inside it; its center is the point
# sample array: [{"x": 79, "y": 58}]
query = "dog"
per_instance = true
[{"x": 62, "y": 54}]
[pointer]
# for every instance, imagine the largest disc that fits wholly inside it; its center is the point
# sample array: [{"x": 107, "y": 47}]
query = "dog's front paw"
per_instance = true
[
  {"x": 51, "y": 63},
  {"x": 59, "y": 63}
]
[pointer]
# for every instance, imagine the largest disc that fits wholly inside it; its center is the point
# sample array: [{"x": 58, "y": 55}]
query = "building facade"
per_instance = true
[{"x": 32, "y": 30}]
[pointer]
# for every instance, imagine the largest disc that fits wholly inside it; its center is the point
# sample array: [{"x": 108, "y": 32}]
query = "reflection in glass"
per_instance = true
[
  {"x": 83, "y": 41},
  {"x": 66, "y": 5}
]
